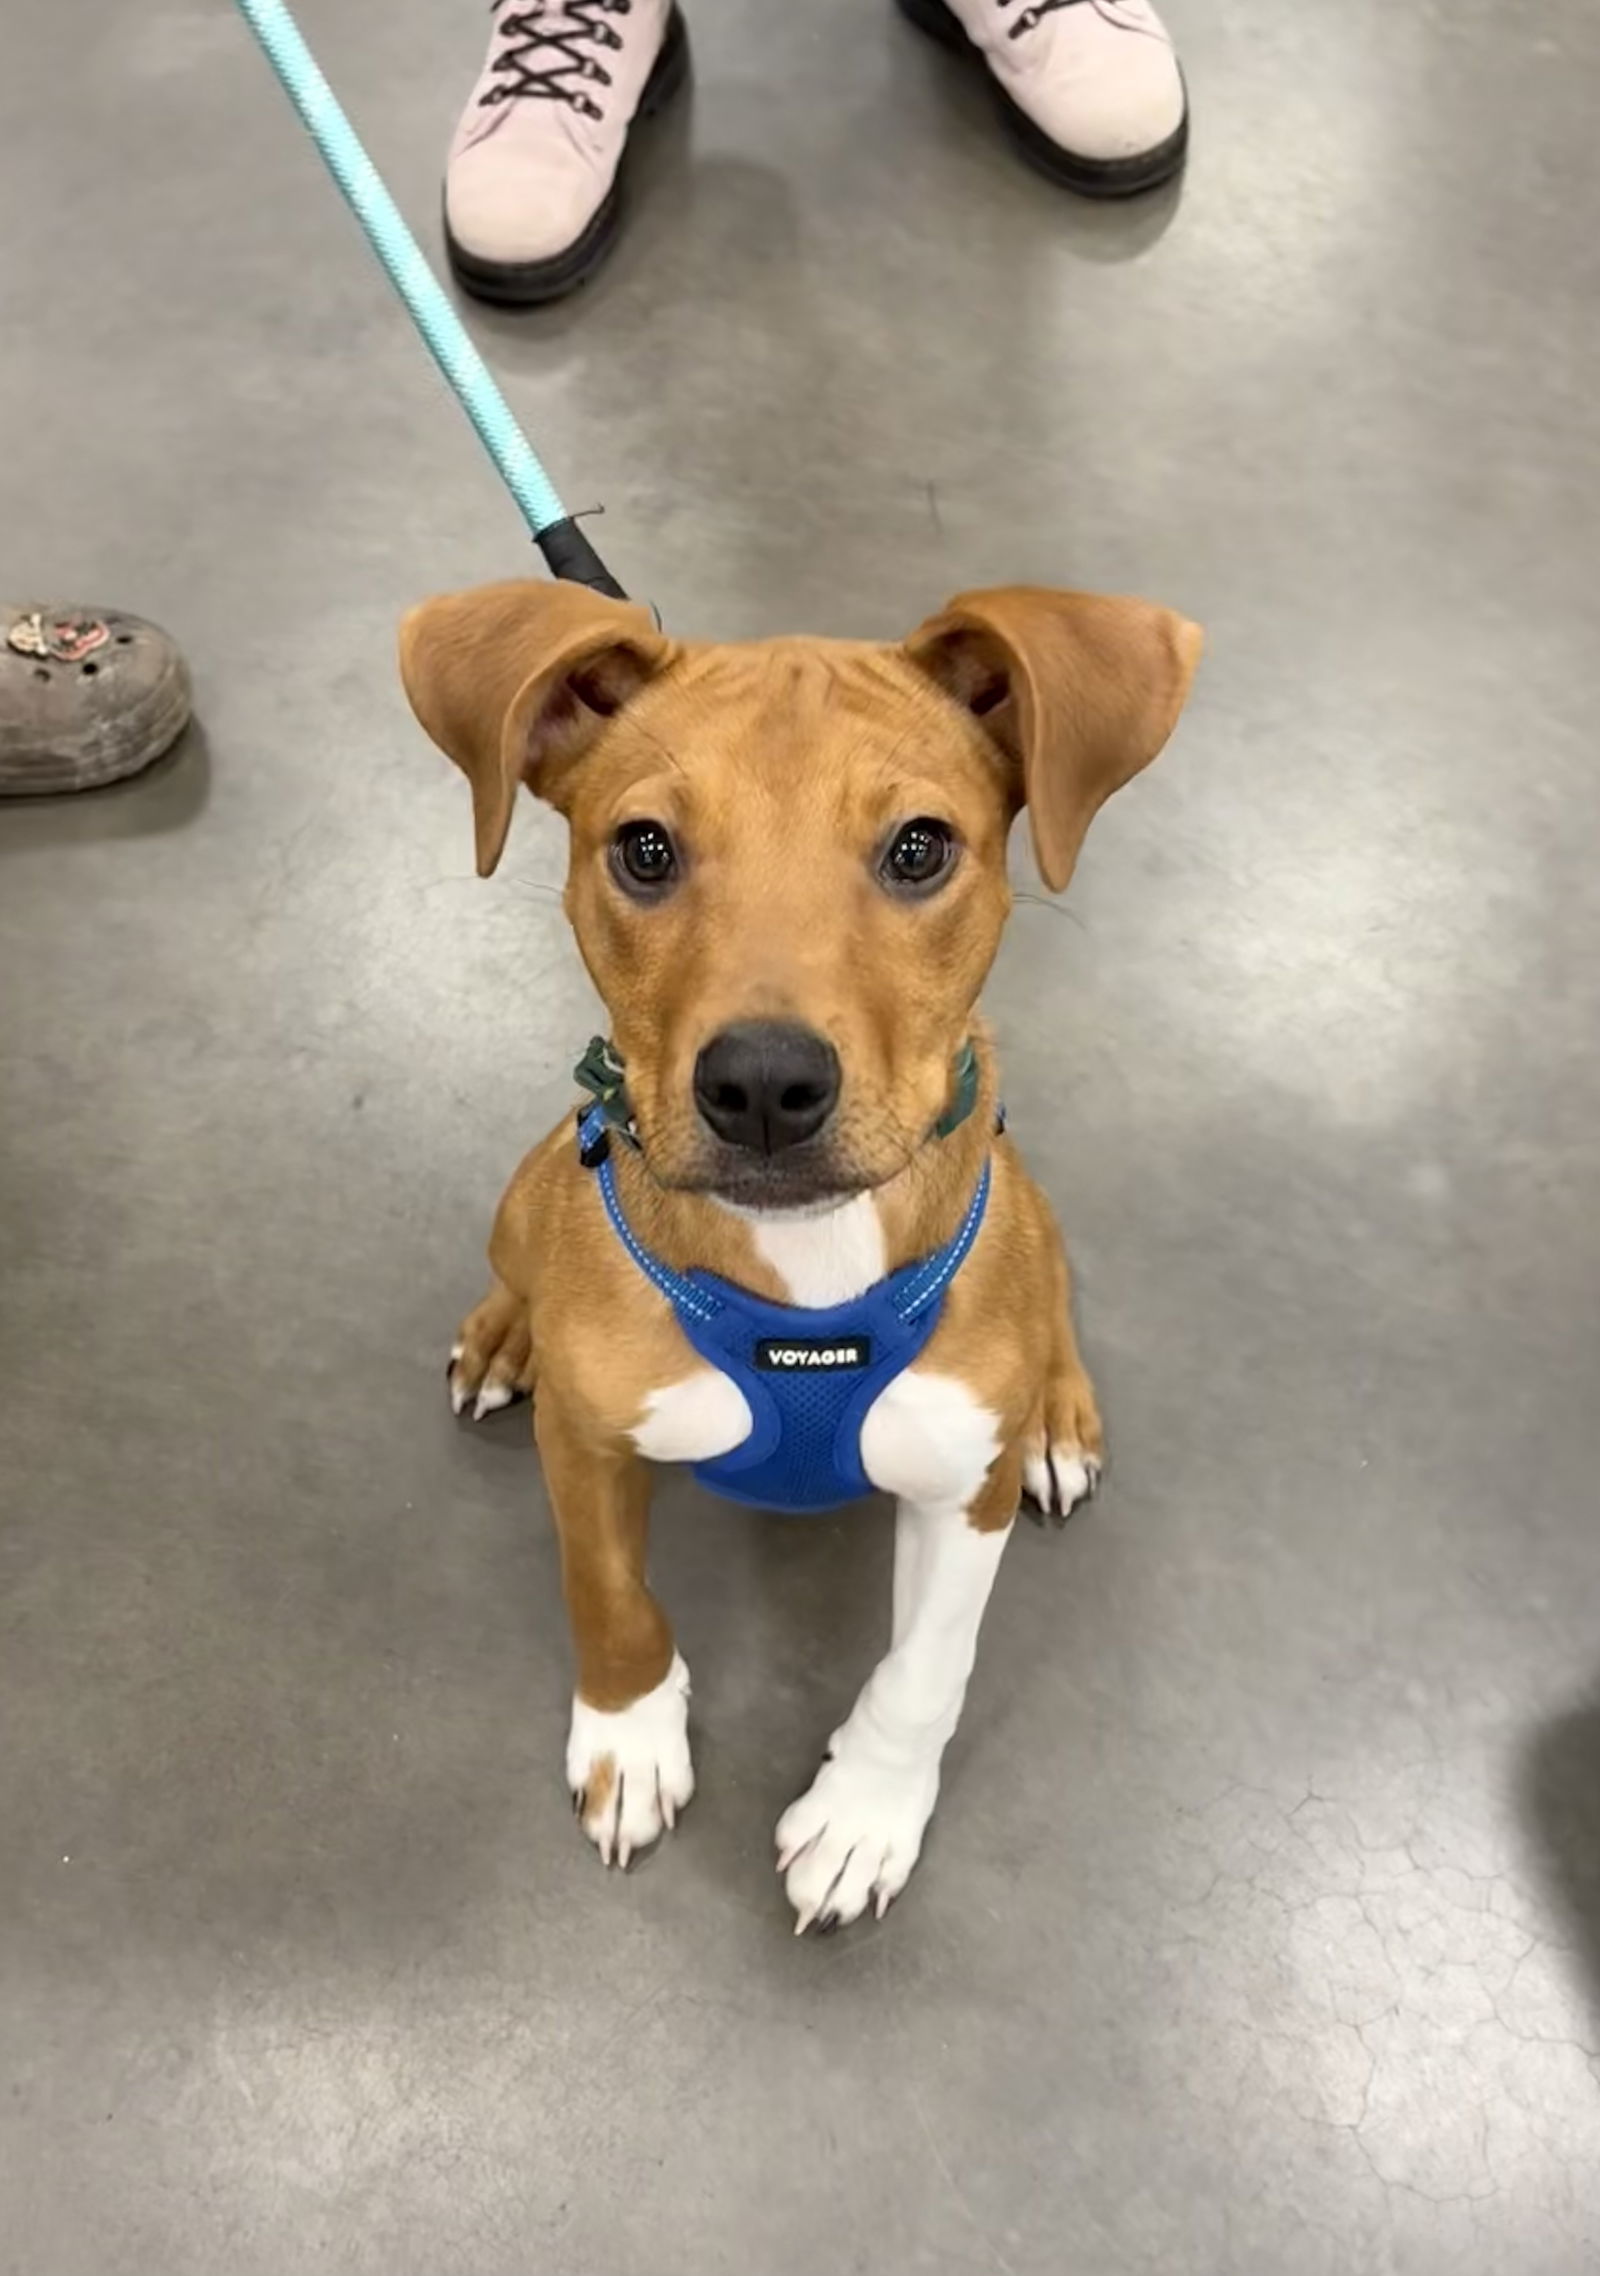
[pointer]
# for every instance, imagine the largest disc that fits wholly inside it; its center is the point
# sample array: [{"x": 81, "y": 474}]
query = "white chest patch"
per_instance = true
[
  {"x": 927, "y": 1441},
  {"x": 705, "y": 1415},
  {"x": 822, "y": 1256}
]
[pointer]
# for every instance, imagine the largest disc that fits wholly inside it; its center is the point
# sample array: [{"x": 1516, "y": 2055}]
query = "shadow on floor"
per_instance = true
[
  {"x": 167, "y": 796},
  {"x": 1559, "y": 1801}
]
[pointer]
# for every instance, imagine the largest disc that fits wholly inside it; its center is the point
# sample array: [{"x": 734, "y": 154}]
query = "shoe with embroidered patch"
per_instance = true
[
  {"x": 533, "y": 185},
  {"x": 86, "y": 697},
  {"x": 1090, "y": 89}
]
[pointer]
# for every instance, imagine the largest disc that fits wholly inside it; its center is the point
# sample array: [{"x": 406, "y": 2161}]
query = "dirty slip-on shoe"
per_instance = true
[
  {"x": 1090, "y": 89},
  {"x": 533, "y": 184},
  {"x": 86, "y": 697}
]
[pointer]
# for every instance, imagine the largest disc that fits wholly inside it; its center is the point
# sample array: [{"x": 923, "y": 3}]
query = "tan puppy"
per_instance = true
[{"x": 788, "y": 881}]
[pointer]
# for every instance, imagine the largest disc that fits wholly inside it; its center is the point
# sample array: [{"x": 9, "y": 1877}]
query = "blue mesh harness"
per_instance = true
[{"x": 809, "y": 1376}]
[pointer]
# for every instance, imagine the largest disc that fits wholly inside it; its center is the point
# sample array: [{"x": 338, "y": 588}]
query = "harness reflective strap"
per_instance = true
[
  {"x": 680, "y": 1293},
  {"x": 941, "y": 1268},
  {"x": 924, "y": 1286}
]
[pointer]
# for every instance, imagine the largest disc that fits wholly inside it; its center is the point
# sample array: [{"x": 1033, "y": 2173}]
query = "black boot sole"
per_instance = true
[
  {"x": 1090, "y": 177},
  {"x": 526, "y": 284}
]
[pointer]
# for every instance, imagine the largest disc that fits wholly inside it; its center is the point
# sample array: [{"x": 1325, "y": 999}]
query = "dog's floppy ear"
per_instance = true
[
  {"x": 513, "y": 681},
  {"x": 1077, "y": 691}
]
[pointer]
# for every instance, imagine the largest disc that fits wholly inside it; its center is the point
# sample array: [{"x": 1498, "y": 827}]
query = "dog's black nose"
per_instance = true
[{"x": 766, "y": 1084}]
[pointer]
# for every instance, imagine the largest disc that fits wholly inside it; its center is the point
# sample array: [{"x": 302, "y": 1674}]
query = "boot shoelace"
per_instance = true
[
  {"x": 562, "y": 30},
  {"x": 1037, "y": 10}
]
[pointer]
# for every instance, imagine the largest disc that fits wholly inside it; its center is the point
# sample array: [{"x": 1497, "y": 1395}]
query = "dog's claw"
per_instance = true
[
  {"x": 618, "y": 1848},
  {"x": 823, "y": 1913},
  {"x": 1059, "y": 1479},
  {"x": 484, "y": 1398},
  {"x": 491, "y": 1359}
]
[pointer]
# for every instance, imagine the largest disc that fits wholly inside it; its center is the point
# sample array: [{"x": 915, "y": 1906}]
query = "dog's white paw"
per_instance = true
[
  {"x": 1056, "y": 1478},
  {"x": 853, "y": 1836},
  {"x": 630, "y": 1772}
]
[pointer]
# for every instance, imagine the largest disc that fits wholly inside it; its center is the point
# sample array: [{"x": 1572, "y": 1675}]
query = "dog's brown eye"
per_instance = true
[
  {"x": 919, "y": 854},
  {"x": 644, "y": 855}
]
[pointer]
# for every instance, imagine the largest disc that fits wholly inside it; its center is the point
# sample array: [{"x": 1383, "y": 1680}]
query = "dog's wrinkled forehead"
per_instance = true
[{"x": 802, "y": 740}]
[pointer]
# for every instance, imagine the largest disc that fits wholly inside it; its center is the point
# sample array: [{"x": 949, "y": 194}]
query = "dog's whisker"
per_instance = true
[{"x": 1026, "y": 900}]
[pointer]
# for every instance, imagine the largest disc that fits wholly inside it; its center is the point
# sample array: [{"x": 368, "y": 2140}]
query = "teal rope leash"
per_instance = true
[{"x": 557, "y": 535}]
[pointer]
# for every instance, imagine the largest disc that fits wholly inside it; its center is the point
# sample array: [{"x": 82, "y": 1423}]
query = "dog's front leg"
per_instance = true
[
  {"x": 853, "y": 1837},
  {"x": 628, "y": 1750}
]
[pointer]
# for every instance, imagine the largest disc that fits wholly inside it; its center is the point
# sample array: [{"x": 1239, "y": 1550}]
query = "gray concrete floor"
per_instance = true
[{"x": 1260, "y": 1929}]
